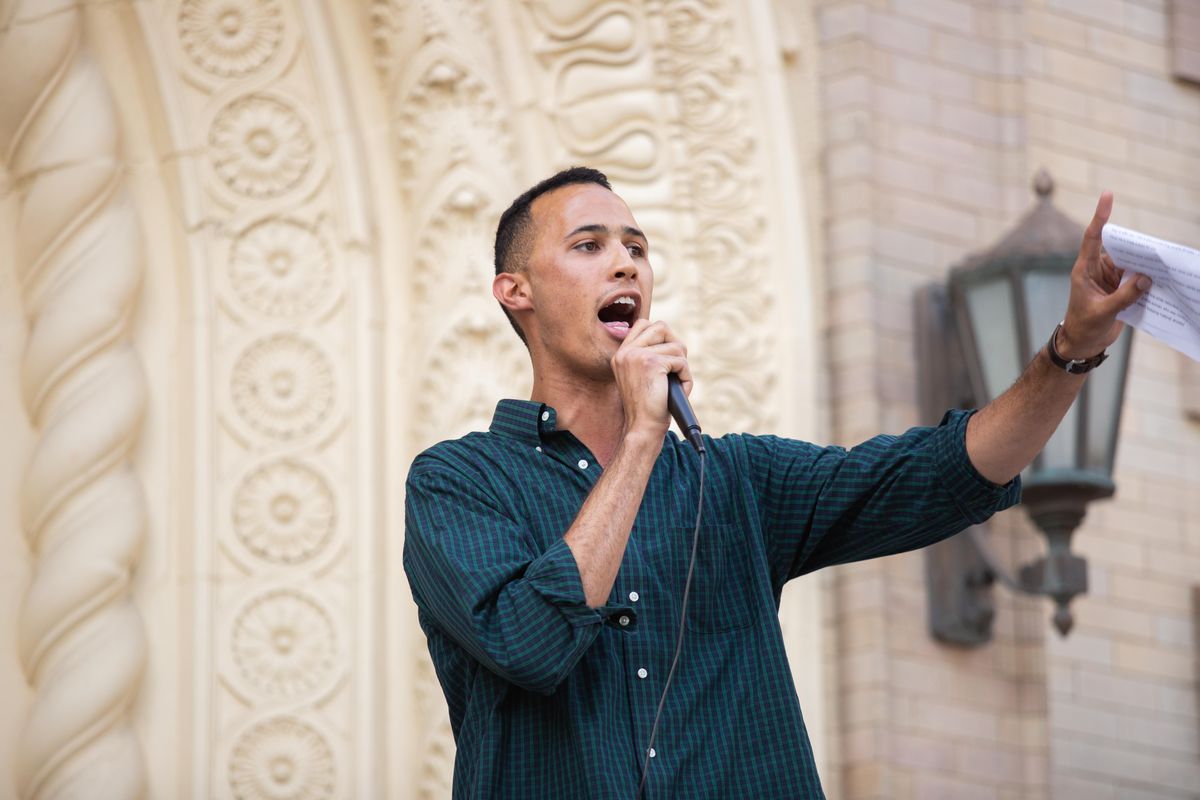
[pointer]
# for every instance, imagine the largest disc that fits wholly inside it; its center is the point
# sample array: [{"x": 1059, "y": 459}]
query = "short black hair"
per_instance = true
[{"x": 514, "y": 234}]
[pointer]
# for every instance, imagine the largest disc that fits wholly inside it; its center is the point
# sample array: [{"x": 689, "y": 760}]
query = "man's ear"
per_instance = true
[{"x": 511, "y": 290}]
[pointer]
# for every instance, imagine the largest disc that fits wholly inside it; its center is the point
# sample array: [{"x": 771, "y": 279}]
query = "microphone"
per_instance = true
[{"x": 681, "y": 412}]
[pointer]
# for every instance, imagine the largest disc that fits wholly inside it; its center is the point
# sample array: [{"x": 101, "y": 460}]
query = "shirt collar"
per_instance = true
[{"x": 524, "y": 420}]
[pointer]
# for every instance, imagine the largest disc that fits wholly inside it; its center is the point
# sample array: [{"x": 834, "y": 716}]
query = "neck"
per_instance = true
[{"x": 590, "y": 409}]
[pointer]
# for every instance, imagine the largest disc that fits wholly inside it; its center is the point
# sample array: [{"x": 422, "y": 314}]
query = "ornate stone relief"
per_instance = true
[
  {"x": 260, "y": 146},
  {"x": 436, "y": 746},
  {"x": 230, "y": 38},
  {"x": 79, "y": 262},
  {"x": 284, "y": 512},
  {"x": 284, "y": 644},
  {"x": 282, "y": 339},
  {"x": 440, "y": 117},
  {"x": 283, "y": 268},
  {"x": 699, "y": 64},
  {"x": 475, "y": 356},
  {"x": 283, "y": 386},
  {"x": 454, "y": 154},
  {"x": 282, "y": 758}
]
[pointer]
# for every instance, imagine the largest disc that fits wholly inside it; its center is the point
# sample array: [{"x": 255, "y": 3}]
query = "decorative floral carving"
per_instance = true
[
  {"x": 449, "y": 116},
  {"x": 284, "y": 513},
  {"x": 482, "y": 357},
  {"x": 230, "y": 38},
  {"x": 600, "y": 73},
  {"x": 452, "y": 254},
  {"x": 283, "y": 386},
  {"x": 399, "y": 29},
  {"x": 282, "y": 759},
  {"x": 281, "y": 268},
  {"x": 261, "y": 147},
  {"x": 284, "y": 643},
  {"x": 387, "y": 28},
  {"x": 698, "y": 62}
]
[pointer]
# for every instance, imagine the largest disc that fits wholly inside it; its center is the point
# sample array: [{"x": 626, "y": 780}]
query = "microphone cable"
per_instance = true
[{"x": 687, "y": 585}]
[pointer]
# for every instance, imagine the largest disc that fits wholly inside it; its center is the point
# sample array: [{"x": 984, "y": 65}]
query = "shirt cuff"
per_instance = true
[
  {"x": 974, "y": 495},
  {"x": 555, "y": 576}
]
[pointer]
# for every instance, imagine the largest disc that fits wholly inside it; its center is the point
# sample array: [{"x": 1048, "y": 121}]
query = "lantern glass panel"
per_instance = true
[
  {"x": 1104, "y": 387},
  {"x": 1062, "y": 451},
  {"x": 992, "y": 311},
  {"x": 1046, "y": 295}
]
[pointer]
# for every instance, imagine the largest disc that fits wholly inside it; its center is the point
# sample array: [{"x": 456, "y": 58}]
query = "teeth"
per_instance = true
[{"x": 625, "y": 300}]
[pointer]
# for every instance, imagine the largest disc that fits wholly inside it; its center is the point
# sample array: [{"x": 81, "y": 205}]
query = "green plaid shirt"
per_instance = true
[{"x": 552, "y": 699}]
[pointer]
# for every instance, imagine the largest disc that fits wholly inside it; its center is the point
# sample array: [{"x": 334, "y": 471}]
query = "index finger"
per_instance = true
[
  {"x": 651, "y": 333},
  {"x": 1092, "y": 236}
]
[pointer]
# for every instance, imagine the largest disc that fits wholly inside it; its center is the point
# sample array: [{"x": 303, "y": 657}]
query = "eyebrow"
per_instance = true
[{"x": 628, "y": 230}]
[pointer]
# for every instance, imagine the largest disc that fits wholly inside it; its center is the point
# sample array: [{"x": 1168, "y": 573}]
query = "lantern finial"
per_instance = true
[{"x": 1043, "y": 184}]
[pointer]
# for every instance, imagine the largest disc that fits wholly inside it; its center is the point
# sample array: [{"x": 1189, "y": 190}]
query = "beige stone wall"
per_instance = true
[
  {"x": 936, "y": 114},
  {"x": 1123, "y": 690}
]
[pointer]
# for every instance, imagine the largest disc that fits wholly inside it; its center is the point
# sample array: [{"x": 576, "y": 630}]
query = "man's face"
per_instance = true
[{"x": 589, "y": 276}]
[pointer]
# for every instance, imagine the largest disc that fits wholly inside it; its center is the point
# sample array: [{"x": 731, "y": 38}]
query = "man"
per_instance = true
[{"x": 547, "y": 556}]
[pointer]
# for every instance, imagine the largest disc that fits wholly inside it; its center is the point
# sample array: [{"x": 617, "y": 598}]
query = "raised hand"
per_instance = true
[{"x": 1097, "y": 294}]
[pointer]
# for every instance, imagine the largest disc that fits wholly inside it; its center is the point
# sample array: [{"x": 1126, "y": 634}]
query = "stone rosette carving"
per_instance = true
[
  {"x": 283, "y": 644},
  {"x": 284, "y": 513},
  {"x": 260, "y": 147},
  {"x": 282, "y": 268},
  {"x": 230, "y": 38},
  {"x": 283, "y": 386},
  {"x": 282, "y": 758}
]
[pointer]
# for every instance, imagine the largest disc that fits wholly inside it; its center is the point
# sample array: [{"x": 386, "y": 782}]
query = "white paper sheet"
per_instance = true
[{"x": 1170, "y": 311}]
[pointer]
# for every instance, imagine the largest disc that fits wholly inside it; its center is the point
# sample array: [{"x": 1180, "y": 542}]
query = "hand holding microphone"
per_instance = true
[{"x": 649, "y": 350}]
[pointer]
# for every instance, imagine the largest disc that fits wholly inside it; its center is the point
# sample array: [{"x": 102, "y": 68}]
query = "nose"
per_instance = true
[{"x": 623, "y": 265}]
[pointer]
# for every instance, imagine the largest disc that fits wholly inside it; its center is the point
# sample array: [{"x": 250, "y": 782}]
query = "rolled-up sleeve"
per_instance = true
[
  {"x": 476, "y": 572},
  {"x": 890, "y": 494}
]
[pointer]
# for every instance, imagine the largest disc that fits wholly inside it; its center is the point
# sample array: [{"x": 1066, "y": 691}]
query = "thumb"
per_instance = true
[{"x": 1128, "y": 292}]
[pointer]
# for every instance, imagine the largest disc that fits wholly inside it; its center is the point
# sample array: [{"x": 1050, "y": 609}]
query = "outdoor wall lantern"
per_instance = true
[{"x": 975, "y": 336}]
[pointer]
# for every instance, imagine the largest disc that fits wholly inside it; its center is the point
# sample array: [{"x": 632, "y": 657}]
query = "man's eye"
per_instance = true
[
  {"x": 636, "y": 250},
  {"x": 589, "y": 246}
]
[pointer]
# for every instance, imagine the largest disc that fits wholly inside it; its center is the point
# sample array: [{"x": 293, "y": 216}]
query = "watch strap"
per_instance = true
[{"x": 1075, "y": 366}]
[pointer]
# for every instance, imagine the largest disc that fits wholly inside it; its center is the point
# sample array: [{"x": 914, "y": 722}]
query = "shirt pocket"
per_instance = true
[{"x": 722, "y": 597}]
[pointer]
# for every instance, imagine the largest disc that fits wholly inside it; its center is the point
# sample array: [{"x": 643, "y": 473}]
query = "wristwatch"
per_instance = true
[{"x": 1075, "y": 366}]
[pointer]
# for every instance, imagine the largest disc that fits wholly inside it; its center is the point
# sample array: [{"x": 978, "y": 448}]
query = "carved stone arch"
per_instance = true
[{"x": 226, "y": 510}]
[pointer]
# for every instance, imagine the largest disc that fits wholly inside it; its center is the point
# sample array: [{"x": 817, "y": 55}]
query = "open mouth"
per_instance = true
[{"x": 619, "y": 315}]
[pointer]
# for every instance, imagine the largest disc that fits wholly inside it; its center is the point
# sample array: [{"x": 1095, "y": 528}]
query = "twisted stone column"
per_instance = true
[{"x": 79, "y": 262}]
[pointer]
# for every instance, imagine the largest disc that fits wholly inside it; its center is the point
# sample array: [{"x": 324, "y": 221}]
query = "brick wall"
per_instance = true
[{"x": 935, "y": 115}]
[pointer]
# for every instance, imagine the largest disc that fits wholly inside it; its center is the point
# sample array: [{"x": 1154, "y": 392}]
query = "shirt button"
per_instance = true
[
  {"x": 545, "y": 416},
  {"x": 642, "y": 672},
  {"x": 538, "y": 448},
  {"x": 623, "y": 621},
  {"x": 582, "y": 464},
  {"x": 652, "y": 753},
  {"x": 633, "y": 597}
]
